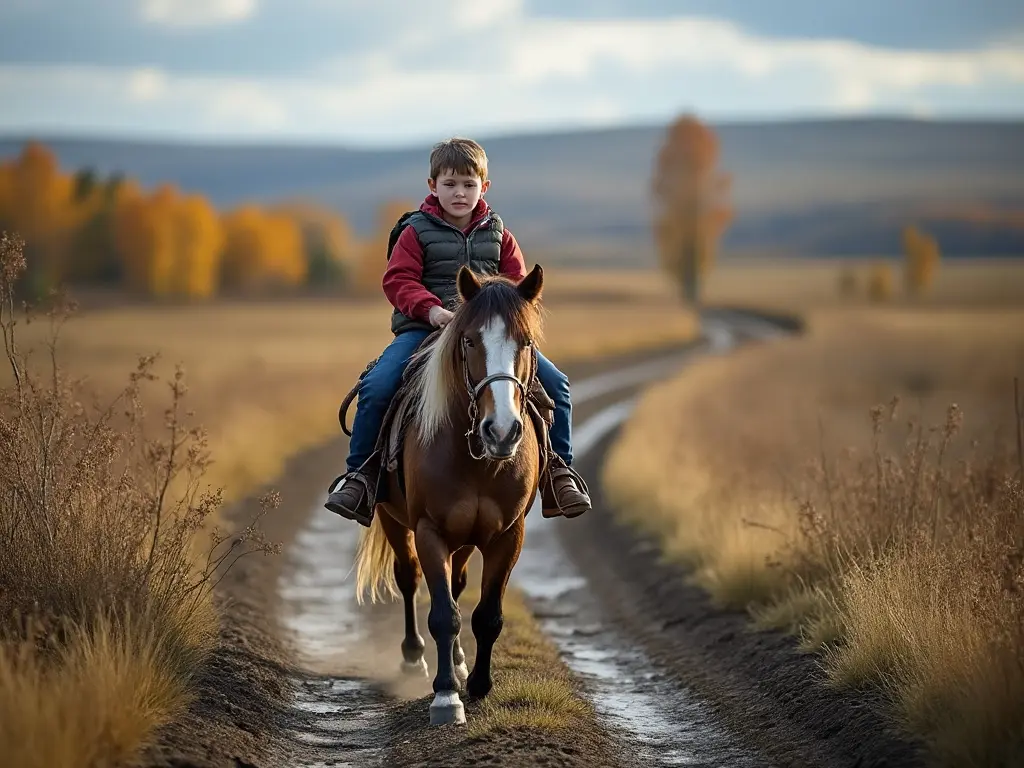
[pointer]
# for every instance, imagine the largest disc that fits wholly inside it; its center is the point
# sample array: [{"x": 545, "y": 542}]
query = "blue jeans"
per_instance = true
[{"x": 379, "y": 386}]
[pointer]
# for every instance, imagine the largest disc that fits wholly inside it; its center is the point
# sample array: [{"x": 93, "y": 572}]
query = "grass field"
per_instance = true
[
  {"x": 266, "y": 379},
  {"x": 890, "y": 538},
  {"x": 125, "y": 620},
  {"x": 803, "y": 284}
]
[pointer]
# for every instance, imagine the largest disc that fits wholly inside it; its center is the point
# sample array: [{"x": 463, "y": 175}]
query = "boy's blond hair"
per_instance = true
[{"x": 462, "y": 156}]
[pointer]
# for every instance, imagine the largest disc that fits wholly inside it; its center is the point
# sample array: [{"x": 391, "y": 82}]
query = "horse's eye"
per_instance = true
[{"x": 469, "y": 341}]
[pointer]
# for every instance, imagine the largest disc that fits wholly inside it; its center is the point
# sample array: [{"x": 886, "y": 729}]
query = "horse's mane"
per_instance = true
[{"x": 440, "y": 374}]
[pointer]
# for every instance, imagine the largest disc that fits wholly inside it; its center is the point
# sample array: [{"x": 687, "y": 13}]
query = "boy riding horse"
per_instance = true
[{"x": 453, "y": 227}]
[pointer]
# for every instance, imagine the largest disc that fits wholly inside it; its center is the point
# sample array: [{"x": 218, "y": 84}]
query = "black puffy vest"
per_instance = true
[{"x": 445, "y": 249}]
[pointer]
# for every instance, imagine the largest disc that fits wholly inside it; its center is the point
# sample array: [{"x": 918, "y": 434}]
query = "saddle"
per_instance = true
[{"x": 387, "y": 452}]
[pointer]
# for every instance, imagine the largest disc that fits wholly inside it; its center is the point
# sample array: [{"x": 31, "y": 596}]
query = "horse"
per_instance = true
[{"x": 472, "y": 466}]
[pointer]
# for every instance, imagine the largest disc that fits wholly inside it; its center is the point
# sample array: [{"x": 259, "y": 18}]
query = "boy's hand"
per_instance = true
[{"x": 439, "y": 316}]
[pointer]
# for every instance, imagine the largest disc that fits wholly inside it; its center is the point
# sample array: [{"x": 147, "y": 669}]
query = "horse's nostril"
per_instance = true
[
  {"x": 516, "y": 432},
  {"x": 488, "y": 427}
]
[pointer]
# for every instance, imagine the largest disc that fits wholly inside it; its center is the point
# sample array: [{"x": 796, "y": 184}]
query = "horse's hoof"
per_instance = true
[
  {"x": 415, "y": 668},
  {"x": 478, "y": 687},
  {"x": 462, "y": 672},
  {"x": 447, "y": 708}
]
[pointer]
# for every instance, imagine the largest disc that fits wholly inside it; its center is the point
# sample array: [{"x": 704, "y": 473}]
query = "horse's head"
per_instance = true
[{"x": 497, "y": 326}]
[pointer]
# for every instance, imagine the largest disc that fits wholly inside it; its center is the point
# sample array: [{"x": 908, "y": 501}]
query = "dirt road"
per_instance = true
[{"x": 305, "y": 677}]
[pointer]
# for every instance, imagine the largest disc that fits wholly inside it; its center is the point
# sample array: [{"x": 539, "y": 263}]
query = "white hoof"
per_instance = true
[
  {"x": 447, "y": 708},
  {"x": 462, "y": 671},
  {"x": 415, "y": 668}
]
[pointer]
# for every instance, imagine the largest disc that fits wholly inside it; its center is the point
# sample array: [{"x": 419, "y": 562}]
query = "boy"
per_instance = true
[{"x": 420, "y": 283}]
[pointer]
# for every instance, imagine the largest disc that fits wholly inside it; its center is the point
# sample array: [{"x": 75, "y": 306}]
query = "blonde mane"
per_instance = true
[
  {"x": 440, "y": 377},
  {"x": 435, "y": 384}
]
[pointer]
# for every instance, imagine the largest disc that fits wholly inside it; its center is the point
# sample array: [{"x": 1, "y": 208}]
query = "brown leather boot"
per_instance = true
[
  {"x": 350, "y": 496},
  {"x": 564, "y": 492}
]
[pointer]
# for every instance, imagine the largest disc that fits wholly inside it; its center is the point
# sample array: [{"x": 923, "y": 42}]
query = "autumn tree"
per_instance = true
[
  {"x": 921, "y": 260},
  {"x": 328, "y": 242},
  {"x": 691, "y": 203},
  {"x": 145, "y": 238},
  {"x": 262, "y": 251},
  {"x": 170, "y": 245},
  {"x": 94, "y": 253},
  {"x": 199, "y": 243},
  {"x": 38, "y": 202}
]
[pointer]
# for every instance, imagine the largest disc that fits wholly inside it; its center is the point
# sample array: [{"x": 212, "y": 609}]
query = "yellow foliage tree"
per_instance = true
[
  {"x": 262, "y": 251},
  {"x": 373, "y": 252},
  {"x": 921, "y": 262},
  {"x": 37, "y": 201},
  {"x": 199, "y": 242},
  {"x": 691, "y": 203},
  {"x": 145, "y": 238},
  {"x": 328, "y": 241}
]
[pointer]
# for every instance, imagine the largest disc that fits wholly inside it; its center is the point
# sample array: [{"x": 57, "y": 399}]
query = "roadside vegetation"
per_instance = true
[
  {"x": 106, "y": 568},
  {"x": 859, "y": 486}
]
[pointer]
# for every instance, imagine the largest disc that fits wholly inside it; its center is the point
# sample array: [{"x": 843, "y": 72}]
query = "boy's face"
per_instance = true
[{"x": 458, "y": 193}]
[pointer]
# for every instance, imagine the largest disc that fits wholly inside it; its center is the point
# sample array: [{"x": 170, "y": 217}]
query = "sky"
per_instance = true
[{"x": 396, "y": 72}]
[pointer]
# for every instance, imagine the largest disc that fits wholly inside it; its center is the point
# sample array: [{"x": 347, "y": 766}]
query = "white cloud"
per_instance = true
[
  {"x": 492, "y": 68},
  {"x": 197, "y": 13},
  {"x": 574, "y": 49},
  {"x": 146, "y": 84}
]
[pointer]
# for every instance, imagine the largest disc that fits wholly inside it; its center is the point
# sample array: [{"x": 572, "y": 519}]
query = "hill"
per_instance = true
[{"x": 814, "y": 186}]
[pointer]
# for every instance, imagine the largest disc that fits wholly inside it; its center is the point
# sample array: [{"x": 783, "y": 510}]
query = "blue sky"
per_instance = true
[{"x": 393, "y": 72}]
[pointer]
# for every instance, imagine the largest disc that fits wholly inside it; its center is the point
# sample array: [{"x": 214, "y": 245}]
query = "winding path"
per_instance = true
[{"x": 354, "y": 649}]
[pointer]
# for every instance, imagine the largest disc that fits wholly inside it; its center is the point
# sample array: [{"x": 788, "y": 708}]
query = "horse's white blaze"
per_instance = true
[{"x": 500, "y": 352}]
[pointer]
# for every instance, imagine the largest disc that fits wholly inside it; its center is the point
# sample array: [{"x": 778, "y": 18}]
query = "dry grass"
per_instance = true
[
  {"x": 100, "y": 514},
  {"x": 266, "y": 378},
  {"x": 890, "y": 540},
  {"x": 804, "y": 284},
  {"x": 105, "y": 616},
  {"x": 95, "y": 704}
]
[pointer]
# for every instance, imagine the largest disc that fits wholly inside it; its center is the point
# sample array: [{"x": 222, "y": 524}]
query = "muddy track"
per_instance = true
[
  {"x": 757, "y": 684},
  {"x": 303, "y": 677}
]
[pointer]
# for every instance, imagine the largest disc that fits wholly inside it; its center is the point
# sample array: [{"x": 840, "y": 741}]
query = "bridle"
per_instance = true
[{"x": 474, "y": 391}]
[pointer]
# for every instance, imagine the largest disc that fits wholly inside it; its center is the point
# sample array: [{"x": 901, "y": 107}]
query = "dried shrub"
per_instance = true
[{"x": 106, "y": 562}]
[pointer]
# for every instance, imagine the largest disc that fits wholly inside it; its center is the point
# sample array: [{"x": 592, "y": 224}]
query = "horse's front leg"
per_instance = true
[
  {"x": 443, "y": 621},
  {"x": 500, "y": 557},
  {"x": 460, "y": 574}
]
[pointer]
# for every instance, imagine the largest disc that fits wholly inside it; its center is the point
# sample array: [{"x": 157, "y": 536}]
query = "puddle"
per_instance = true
[
  {"x": 658, "y": 721},
  {"x": 319, "y": 593},
  {"x": 342, "y": 712}
]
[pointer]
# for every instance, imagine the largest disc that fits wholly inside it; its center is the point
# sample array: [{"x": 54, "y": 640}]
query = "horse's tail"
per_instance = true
[{"x": 375, "y": 565}]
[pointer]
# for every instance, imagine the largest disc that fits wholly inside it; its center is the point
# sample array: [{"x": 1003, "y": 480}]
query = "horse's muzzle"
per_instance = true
[{"x": 500, "y": 446}]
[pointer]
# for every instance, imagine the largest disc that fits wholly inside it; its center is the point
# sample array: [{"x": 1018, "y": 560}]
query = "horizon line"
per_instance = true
[{"x": 311, "y": 142}]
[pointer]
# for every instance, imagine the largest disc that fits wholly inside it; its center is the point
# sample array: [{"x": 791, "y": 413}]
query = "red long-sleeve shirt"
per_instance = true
[{"x": 403, "y": 279}]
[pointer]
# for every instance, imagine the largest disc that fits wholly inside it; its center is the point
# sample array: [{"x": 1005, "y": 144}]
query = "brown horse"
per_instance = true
[{"x": 472, "y": 468}]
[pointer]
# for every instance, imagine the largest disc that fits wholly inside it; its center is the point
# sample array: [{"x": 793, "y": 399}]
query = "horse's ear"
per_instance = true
[
  {"x": 531, "y": 285},
  {"x": 469, "y": 286}
]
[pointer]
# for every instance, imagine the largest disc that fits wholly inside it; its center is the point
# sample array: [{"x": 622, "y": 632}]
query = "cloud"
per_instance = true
[
  {"x": 543, "y": 50},
  {"x": 146, "y": 84},
  {"x": 197, "y": 13},
  {"x": 491, "y": 67}
]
